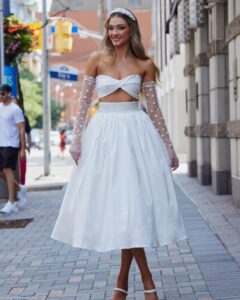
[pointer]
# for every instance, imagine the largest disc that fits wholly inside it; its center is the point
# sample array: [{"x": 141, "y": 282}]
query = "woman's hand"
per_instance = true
[
  {"x": 75, "y": 152},
  {"x": 174, "y": 162}
]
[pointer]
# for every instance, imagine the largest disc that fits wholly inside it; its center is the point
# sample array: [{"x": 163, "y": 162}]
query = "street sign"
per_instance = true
[
  {"x": 10, "y": 78},
  {"x": 63, "y": 72}
]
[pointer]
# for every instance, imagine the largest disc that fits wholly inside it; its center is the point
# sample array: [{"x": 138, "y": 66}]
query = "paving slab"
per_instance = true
[{"x": 33, "y": 266}]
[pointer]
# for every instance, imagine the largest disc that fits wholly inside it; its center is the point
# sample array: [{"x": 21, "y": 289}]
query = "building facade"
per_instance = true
[
  {"x": 172, "y": 86},
  {"x": 205, "y": 36},
  {"x": 94, "y": 4}
]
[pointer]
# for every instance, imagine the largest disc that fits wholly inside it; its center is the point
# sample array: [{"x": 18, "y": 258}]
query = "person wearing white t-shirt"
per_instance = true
[{"x": 12, "y": 142}]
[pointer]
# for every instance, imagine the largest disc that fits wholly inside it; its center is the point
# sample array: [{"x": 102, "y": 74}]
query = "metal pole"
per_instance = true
[
  {"x": 1, "y": 44},
  {"x": 46, "y": 94},
  {"x": 101, "y": 16},
  {"x": 109, "y": 6}
]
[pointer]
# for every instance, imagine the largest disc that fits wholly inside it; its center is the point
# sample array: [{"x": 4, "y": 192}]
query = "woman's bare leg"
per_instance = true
[
  {"x": 148, "y": 284},
  {"x": 122, "y": 281}
]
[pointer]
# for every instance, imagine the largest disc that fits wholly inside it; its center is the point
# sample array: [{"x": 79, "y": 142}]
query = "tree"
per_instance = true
[
  {"x": 32, "y": 93},
  {"x": 56, "y": 112}
]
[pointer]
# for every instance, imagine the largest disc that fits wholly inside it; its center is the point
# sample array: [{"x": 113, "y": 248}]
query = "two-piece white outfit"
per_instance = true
[{"x": 121, "y": 195}]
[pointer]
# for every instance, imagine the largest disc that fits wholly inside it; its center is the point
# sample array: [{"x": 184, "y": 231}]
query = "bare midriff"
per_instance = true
[{"x": 118, "y": 96}]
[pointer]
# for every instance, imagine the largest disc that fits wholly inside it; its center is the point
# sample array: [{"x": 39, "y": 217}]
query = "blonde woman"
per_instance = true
[{"x": 121, "y": 192}]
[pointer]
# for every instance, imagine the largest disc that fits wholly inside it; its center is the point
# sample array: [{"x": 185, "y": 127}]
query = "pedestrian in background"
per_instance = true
[
  {"x": 62, "y": 143},
  {"x": 12, "y": 132},
  {"x": 121, "y": 193},
  {"x": 23, "y": 161},
  {"x": 20, "y": 192}
]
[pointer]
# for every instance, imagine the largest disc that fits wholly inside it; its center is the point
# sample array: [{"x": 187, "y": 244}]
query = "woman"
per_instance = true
[
  {"x": 121, "y": 193},
  {"x": 62, "y": 144}
]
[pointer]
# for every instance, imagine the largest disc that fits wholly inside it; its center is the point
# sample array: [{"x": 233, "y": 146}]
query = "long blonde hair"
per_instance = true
[{"x": 136, "y": 45}]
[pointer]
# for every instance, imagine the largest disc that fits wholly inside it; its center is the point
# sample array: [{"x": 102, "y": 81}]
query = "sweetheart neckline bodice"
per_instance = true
[{"x": 121, "y": 78}]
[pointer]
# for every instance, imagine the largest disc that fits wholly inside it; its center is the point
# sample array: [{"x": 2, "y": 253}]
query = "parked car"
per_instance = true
[
  {"x": 37, "y": 138},
  {"x": 54, "y": 138},
  {"x": 69, "y": 137}
]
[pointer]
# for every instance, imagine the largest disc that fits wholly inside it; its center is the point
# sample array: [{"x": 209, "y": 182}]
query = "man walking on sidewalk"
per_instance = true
[{"x": 12, "y": 135}]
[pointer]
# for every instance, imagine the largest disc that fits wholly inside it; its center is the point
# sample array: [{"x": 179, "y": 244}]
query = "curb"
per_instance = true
[
  {"x": 45, "y": 187},
  {"x": 41, "y": 188}
]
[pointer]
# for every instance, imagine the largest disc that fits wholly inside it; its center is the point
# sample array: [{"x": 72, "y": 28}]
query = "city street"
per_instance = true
[
  {"x": 61, "y": 61},
  {"x": 60, "y": 168},
  {"x": 33, "y": 266}
]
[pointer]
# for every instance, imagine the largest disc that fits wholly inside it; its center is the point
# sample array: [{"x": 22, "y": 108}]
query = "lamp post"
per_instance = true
[
  {"x": 109, "y": 6},
  {"x": 46, "y": 82},
  {"x": 101, "y": 16},
  {"x": 46, "y": 94}
]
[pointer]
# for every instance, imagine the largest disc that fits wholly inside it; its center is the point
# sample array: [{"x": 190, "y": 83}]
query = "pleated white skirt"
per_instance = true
[{"x": 121, "y": 195}]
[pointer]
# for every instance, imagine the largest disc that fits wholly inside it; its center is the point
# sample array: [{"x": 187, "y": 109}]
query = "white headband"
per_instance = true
[{"x": 123, "y": 11}]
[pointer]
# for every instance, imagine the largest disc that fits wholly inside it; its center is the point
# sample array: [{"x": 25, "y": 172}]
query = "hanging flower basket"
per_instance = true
[{"x": 18, "y": 39}]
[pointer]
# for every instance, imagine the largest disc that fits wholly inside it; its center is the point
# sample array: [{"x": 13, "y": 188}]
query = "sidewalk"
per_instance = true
[{"x": 204, "y": 267}]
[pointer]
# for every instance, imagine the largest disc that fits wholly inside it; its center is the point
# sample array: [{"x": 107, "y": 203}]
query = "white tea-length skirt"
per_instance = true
[{"x": 121, "y": 195}]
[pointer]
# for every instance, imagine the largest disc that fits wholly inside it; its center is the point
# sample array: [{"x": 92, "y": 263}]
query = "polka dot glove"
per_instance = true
[
  {"x": 84, "y": 103},
  {"x": 155, "y": 113}
]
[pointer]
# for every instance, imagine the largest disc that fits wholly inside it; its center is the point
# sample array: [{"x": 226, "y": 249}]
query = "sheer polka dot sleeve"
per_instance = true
[
  {"x": 84, "y": 103},
  {"x": 155, "y": 113}
]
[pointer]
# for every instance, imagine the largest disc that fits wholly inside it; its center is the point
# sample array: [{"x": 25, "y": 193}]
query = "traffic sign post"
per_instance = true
[{"x": 63, "y": 72}]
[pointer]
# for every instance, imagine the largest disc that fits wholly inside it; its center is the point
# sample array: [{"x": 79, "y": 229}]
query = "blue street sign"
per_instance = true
[
  {"x": 63, "y": 72},
  {"x": 10, "y": 78},
  {"x": 63, "y": 76}
]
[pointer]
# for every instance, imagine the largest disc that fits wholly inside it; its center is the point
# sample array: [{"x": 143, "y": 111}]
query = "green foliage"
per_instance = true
[
  {"x": 56, "y": 111},
  {"x": 26, "y": 74},
  {"x": 32, "y": 94}
]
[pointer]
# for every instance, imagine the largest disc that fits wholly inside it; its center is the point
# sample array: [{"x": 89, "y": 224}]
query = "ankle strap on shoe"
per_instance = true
[
  {"x": 120, "y": 290},
  {"x": 150, "y": 291}
]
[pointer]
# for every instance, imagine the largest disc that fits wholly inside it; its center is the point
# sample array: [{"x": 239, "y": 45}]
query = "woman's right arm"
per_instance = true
[{"x": 85, "y": 100}]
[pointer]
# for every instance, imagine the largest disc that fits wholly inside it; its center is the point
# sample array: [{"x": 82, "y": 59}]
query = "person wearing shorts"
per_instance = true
[{"x": 12, "y": 135}]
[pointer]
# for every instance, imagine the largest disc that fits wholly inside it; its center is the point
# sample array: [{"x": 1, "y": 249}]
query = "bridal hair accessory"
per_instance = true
[{"x": 124, "y": 11}]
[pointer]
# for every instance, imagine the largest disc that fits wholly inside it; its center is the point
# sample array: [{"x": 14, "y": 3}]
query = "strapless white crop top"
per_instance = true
[{"x": 106, "y": 85}]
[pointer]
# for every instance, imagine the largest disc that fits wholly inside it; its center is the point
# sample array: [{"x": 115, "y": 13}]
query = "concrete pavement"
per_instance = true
[
  {"x": 204, "y": 267},
  {"x": 60, "y": 168}
]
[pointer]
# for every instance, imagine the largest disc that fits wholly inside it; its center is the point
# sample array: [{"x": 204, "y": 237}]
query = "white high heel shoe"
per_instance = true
[
  {"x": 120, "y": 290},
  {"x": 150, "y": 291}
]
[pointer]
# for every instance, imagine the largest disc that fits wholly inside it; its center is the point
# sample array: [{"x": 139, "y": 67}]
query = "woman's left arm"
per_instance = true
[{"x": 155, "y": 113}]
